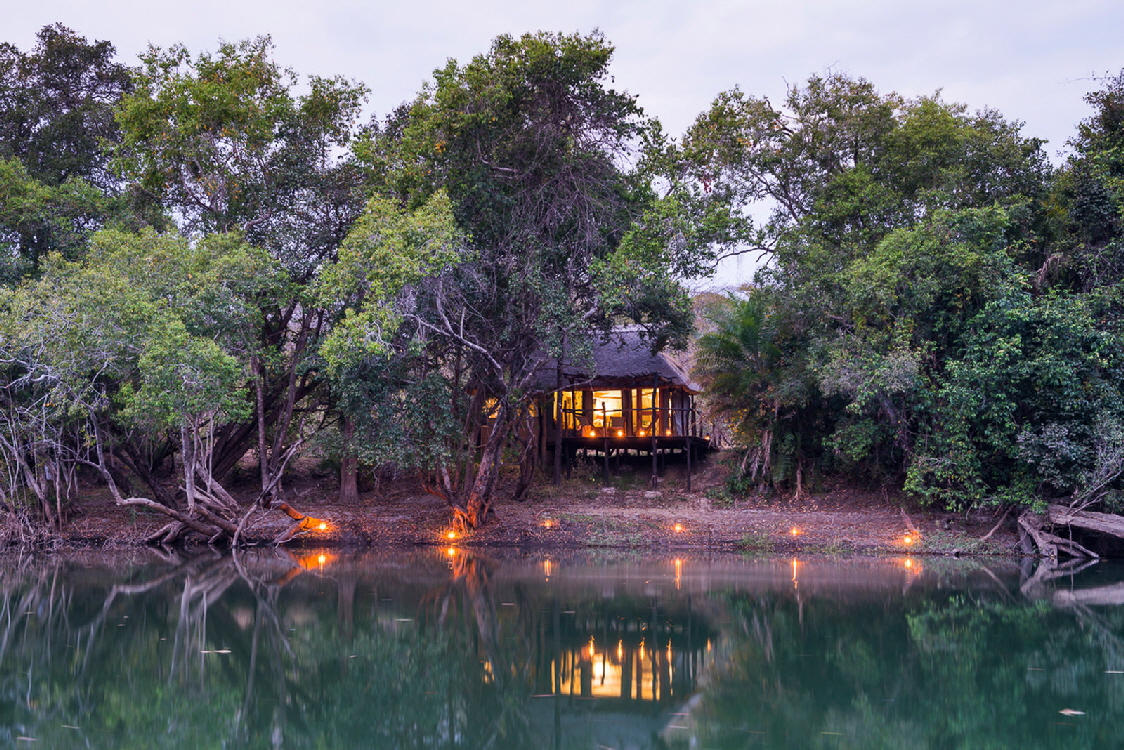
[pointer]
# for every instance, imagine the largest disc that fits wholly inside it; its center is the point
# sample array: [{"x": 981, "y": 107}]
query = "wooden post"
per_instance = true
[
  {"x": 558, "y": 425},
  {"x": 605, "y": 442},
  {"x": 687, "y": 440}
]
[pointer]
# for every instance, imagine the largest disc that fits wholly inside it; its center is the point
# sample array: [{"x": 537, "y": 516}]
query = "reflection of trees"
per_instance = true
[
  {"x": 965, "y": 667},
  {"x": 552, "y": 663},
  {"x": 267, "y": 650},
  {"x": 212, "y": 652}
]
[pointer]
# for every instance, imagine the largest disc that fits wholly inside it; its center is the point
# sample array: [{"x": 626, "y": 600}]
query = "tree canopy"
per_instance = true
[{"x": 941, "y": 298}]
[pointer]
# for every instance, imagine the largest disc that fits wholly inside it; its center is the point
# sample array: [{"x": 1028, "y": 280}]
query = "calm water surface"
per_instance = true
[{"x": 451, "y": 649}]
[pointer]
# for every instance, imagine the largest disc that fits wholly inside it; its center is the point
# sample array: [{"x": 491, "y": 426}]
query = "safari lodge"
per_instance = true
[{"x": 622, "y": 401}]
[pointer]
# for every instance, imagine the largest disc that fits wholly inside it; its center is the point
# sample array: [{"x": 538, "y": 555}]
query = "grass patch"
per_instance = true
[
  {"x": 834, "y": 547},
  {"x": 953, "y": 542},
  {"x": 756, "y": 542},
  {"x": 606, "y": 530}
]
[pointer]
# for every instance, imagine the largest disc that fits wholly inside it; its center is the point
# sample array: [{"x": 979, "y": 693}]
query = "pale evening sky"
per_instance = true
[{"x": 1032, "y": 60}]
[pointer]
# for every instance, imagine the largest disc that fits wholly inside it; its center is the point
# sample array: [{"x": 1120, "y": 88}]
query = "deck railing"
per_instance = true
[{"x": 631, "y": 423}]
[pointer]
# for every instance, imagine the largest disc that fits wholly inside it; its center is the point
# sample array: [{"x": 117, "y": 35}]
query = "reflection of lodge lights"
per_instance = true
[
  {"x": 547, "y": 568},
  {"x": 678, "y": 573},
  {"x": 642, "y": 671},
  {"x": 911, "y": 568},
  {"x": 451, "y": 552},
  {"x": 315, "y": 560},
  {"x": 795, "y": 573}
]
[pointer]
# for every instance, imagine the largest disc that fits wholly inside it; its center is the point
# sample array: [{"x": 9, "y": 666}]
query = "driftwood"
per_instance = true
[
  {"x": 1050, "y": 544},
  {"x": 1101, "y": 596},
  {"x": 1104, "y": 523}
]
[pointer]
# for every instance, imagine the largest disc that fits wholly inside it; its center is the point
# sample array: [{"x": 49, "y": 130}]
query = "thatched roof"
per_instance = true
[{"x": 622, "y": 360}]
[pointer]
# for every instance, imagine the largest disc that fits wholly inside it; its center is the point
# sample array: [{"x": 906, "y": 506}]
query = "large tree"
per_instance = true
[
  {"x": 222, "y": 143},
  {"x": 56, "y": 115},
  {"x": 535, "y": 150},
  {"x": 892, "y": 225},
  {"x": 111, "y": 362}
]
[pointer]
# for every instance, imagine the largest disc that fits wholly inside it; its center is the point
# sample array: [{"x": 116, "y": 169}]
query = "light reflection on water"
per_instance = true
[{"x": 448, "y": 647}]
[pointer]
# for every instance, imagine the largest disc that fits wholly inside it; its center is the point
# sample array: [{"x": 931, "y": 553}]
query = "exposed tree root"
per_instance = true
[{"x": 219, "y": 527}]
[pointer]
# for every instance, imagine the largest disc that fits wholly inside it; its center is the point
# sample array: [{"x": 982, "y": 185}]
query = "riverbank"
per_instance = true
[{"x": 583, "y": 514}]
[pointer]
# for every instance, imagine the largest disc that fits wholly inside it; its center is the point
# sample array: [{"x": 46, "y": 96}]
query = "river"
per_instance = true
[{"x": 449, "y": 648}]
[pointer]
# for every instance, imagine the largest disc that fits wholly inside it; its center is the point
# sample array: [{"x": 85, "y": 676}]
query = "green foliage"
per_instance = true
[
  {"x": 756, "y": 542},
  {"x": 926, "y": 294},
  {"x": 761, "y": 386},
  {"x": 150, "y": 331},
  {"x": 37, "y": 218},
  {"x": 387, "y": 251},
  {"x": 55, "y": 184},
  {"x": 58, "y": 106},
  {"x": 527, "y": 143},
  {"x": 221, "y": 143}
]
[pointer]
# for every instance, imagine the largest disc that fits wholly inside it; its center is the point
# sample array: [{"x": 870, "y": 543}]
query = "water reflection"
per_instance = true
[{"x": 447, "y": 648}]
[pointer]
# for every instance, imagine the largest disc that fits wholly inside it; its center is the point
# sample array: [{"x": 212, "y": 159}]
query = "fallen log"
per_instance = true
[
  {"x": 1104, "y": 523},
  {"x": 1101, "y": 596}
]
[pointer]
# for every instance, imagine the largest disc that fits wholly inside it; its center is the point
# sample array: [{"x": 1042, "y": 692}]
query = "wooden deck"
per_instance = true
[{"x": 698, "y": 445}]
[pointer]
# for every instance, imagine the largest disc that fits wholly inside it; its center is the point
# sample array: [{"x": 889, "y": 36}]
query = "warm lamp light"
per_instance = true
[
  {"x": 620, "y": 433},
  {"x": 451, "y": 535},
  {"x": 642, "y": 433},
  {"x": 323, "y": 526},
  {"x": 794, "y": 531},
  {"x": 678, "y": 528},
  {"x": 908, "y": 539}
]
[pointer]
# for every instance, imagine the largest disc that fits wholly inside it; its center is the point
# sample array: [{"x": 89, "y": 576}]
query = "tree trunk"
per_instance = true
[
  {"x": 1103, "y": 523},
  {"x": 349, "y": 465},
  {"x": 473, "y": 511}
]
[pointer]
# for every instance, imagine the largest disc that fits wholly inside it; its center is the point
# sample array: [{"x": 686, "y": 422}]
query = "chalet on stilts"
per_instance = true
[{"x": 623, "y": 401}]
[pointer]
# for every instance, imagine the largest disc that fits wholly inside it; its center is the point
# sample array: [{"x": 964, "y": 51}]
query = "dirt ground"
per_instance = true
[{"x": 583, "y": 513}]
